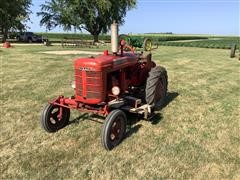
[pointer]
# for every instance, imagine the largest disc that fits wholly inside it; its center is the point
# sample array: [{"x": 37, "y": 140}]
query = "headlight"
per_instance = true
[
  {"x": 73, "y": 85},
  {"x": 116, "y": 90}
]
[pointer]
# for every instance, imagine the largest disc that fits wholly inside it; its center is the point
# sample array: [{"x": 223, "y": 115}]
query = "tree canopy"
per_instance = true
[
  {"x": 13, "y": 15},
  {"x": 95, "y": 16}
]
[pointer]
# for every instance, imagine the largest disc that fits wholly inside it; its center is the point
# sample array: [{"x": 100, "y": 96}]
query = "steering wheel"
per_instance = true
[
  {"x": 126, "y": 39},
  {"x": 125, "y": 47}
]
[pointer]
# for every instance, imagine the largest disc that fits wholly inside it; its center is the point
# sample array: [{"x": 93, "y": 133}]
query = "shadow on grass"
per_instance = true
[
  {"x": 133, "y": 127},
  {"x": 87, "y": 116},
  {"x": 170, "y": 97},
  {"x": 78, "y": 119},
  {"x": 132, "y": 130},
  {"x": 132, "y": 119},
  {"x": 156, "y": 119}
]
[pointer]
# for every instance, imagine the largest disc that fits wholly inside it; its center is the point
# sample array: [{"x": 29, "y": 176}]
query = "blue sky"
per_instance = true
[{"x": 219, "y": 17}]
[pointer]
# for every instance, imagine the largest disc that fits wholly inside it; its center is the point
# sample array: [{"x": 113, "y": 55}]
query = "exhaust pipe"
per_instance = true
[{"x": 114, "y": 37}]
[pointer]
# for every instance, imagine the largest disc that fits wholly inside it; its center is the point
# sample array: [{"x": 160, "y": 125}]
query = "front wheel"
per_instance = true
[
  {"x": 114, "y": 129},
  {"x": 49, "y": 119}
]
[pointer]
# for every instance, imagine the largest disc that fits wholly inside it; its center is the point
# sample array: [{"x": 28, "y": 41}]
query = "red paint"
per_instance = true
[
  {"x": 105, "y": 52},
  {"x": 84, "y": 84},
  {"x": 91, "y": 75},
  {"x": 95, "y": 76},
  {"x": 74, "y": 104},
  {"x": 6, "y": 45}
]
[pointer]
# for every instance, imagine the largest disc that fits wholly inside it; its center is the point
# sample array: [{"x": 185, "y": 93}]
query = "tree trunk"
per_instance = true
[
  {"x": 95, "y": 38},
  {"x": 1, "y": 34},
  {"x": 5, "y": 33}
]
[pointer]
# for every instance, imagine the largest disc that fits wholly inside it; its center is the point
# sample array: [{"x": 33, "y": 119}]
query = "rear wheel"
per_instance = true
[
  {"x": 156, "y": 87},
  {"x": 114, "y": 129},
  {"x": 50, "y": 121},
  {"x": 147, "y": 44}
]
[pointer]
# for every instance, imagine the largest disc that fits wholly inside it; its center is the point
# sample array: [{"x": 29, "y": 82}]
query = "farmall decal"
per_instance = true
[{"x": 86, "y": 69}]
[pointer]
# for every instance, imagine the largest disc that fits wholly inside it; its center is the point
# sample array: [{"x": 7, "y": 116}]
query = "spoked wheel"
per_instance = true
[
  {"x": 114, "y": 129},
  {"x": 50, "y": 121},
  {"x": 147, "y": 44},
  {"x": 156, "y": 87}
]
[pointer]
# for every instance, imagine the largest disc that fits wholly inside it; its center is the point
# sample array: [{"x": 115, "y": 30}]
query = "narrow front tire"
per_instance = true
[
  {"x": 114, "y": 129},
  {"x": 49, "y": 119}
]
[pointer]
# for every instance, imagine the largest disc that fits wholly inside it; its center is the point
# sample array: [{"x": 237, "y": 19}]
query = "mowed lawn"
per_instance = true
[{"x": 195, "y": 136}]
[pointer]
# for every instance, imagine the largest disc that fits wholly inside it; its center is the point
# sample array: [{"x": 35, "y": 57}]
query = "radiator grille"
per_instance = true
[{"x": 94, "y": 84}]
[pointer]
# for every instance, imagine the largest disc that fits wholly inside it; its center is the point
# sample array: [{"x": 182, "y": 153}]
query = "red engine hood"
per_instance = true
[{"x": 111, "y": 62}]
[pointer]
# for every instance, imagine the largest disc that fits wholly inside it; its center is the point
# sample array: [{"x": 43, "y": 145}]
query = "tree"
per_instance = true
[
  {"x": 13, "y": 15},
  {"x": 95, "y": 16}
]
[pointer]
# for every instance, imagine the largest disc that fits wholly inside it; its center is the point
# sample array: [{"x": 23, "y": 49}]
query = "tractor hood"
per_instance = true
[{"x": 108, "y": 61}]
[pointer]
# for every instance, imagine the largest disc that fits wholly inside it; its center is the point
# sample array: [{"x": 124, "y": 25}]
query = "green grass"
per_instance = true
[{"x": 196, "y": 136}]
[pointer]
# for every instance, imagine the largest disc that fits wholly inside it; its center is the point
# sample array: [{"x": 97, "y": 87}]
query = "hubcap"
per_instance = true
[
  {"x": 116, "y": 129},
  {"x": 148, "y": 45},
  {"x": 53, "y": 115}
]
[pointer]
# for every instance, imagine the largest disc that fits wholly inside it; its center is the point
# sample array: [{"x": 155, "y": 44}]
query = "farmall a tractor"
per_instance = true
[{"x": 111, "y": 85}]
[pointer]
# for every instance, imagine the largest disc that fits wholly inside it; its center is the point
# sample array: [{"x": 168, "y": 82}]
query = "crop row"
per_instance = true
[
  {"x": 224, "y": 43},
  {"x": 158, "y": 38},
  {"x": 161, "y": 39}
]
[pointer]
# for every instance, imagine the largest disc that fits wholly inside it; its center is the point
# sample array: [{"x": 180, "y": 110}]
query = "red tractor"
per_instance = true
[{"x": 111, "y": 85}]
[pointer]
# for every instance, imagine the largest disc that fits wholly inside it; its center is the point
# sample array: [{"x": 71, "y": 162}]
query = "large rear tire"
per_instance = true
[{"x": 156, "y": 87}]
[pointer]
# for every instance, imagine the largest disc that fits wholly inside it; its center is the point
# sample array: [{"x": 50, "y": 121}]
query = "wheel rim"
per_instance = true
[
  {"x": 148, "y": 45},
  {"x": 160, "y": 90},
  {"x": 53, "y": 115},
  {"x": 116, "y": 130},
  {"x": 53, "y": 119}
]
